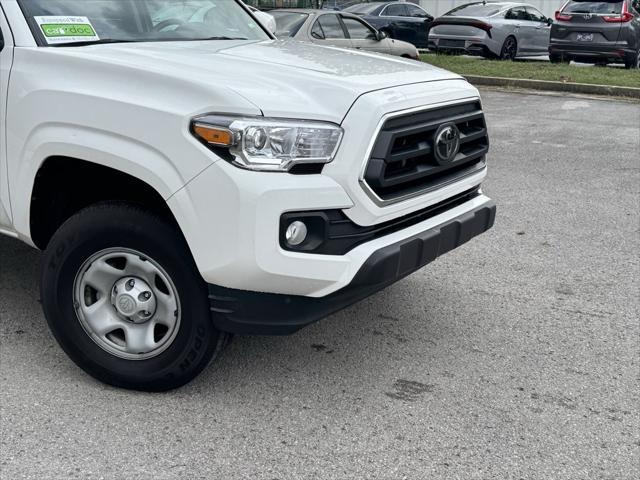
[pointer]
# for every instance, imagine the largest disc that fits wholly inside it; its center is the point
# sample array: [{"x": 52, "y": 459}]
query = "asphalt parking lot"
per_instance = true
[{"x": 516, "y": 356}]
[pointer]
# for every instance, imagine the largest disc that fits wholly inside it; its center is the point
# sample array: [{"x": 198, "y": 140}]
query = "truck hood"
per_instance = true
[{"x": 279, "y": 78}]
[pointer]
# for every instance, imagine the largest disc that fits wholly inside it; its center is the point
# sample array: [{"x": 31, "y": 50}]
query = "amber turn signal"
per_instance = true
[{"x": 214, "y": 135}]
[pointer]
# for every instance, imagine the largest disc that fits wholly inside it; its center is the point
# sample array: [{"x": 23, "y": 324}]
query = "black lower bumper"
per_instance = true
[
  {"x": 254, "y": 313},
  {"x": 475, "y": 49},
  {"x": 591, "y": 53}
]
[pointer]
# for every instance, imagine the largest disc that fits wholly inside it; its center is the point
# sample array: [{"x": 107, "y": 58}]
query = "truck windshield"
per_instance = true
[{"x": 81, "y": 22}]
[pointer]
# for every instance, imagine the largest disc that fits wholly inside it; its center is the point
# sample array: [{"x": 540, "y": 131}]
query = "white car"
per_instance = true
[
  {"x": 189, "y": 177},
  {"x": 339, "y": 29}
]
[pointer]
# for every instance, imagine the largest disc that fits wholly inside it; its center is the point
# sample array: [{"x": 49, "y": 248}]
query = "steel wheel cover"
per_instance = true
[{"x": 127, "y": 303}]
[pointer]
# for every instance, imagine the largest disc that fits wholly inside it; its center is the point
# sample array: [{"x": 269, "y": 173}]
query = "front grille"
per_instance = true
[{"x": 402, "y": 161}]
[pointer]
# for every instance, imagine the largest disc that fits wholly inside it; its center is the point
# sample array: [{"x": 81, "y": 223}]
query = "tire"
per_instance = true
[
  {"x": 509, "y": 48},
  {"x": 148, "y": 346},
  {"x": 633, "y": 63}
]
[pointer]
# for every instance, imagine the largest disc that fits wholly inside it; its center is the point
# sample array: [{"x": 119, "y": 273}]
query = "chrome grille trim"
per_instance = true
[{"x": 476, "y": 168}]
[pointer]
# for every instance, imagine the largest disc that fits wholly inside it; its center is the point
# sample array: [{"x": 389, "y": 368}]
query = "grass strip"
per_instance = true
[{"x": 536, "y": 70}]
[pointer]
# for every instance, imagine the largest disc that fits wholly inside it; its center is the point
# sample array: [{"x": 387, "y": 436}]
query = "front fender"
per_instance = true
[
  {"x": 87, "y": 105},
  {"x": 107, "y": 149}
]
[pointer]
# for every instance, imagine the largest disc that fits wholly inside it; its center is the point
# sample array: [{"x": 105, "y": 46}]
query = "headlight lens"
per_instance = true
[{"x": 270, "y": 144}]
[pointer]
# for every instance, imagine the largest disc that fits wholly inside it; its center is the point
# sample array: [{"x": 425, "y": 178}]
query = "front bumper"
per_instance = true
[
  {"x": 231, "y": 217},
  {"x": 246, "y": 312}
]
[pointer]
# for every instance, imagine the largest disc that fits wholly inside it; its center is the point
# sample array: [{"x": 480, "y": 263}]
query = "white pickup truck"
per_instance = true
[{"x": 189, "y": 177}]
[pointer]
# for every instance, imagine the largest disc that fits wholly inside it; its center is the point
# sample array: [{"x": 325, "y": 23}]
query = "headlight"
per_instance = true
[{"x": 269, "y": 144}]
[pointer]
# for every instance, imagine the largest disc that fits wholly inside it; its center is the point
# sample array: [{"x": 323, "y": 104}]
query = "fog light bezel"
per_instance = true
[{"x": 317, "y": 228}]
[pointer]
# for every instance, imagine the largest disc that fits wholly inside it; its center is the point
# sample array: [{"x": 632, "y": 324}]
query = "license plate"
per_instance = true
[
  {"x": 584, "y": 37},
  {"x": 451, "y": 43}
]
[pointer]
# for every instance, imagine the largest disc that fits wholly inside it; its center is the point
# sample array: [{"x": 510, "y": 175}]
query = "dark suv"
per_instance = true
[
  {"x": 400, "y": 20},
  {"x": 597, "y": 31}
]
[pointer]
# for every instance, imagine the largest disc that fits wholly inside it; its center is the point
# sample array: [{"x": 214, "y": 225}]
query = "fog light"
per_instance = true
[{"x": 296, "y": 233}]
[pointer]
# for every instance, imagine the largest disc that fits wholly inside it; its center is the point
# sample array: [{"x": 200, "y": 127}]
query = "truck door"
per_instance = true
[{"x": 6, "y": 60}]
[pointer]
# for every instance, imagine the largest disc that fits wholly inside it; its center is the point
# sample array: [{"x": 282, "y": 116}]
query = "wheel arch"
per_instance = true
[
  {"x": 64, "y": 185},
  {"x": 126, "y": 154}
]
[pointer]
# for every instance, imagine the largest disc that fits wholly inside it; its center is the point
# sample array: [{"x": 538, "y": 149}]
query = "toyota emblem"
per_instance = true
[
  {"x": 127, "y": 305},
  {"x": 446, "y": 143}
]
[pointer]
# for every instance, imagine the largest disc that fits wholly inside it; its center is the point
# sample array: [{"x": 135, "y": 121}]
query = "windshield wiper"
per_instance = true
[
  {"x": 93, "y": 42},
  {"x": 140, "y": 40}
]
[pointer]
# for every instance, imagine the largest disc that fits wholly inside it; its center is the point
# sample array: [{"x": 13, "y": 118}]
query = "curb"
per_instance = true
[{"x": 584, "y": 88}]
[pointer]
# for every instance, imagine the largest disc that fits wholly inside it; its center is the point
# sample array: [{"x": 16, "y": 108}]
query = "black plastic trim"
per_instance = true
[
  {"x": 402, "y": 160},
  {"x": 254, "y": 313},
  {"x": 331, "y": 232}
]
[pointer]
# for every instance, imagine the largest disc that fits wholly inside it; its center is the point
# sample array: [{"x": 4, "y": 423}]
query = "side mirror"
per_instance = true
[
  {"x": 1, "y": 42},
  {"x": 549, "y": 21},
  {"x": 381, "y": 36}
]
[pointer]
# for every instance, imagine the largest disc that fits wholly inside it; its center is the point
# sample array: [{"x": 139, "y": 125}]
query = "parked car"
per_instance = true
[
  {"x": 493, "y": 30},
  {"x": 597, "y": 31},
  {"x": 339, "y": 29},
  {"x": 400, "y": 20},
  {"x": 206, "y": 180}
]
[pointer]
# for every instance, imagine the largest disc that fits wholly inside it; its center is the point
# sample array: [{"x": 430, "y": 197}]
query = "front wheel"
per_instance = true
[
  {"x": 509, "y": 49},
  {"x": 125, "y": 301}
]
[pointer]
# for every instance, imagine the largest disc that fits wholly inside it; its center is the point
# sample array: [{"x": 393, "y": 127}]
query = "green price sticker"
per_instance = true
[{"x": 67, "y": 30}]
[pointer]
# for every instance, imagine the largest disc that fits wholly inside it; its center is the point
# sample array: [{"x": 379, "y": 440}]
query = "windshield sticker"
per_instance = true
[{"x": 66, "y": 29}]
